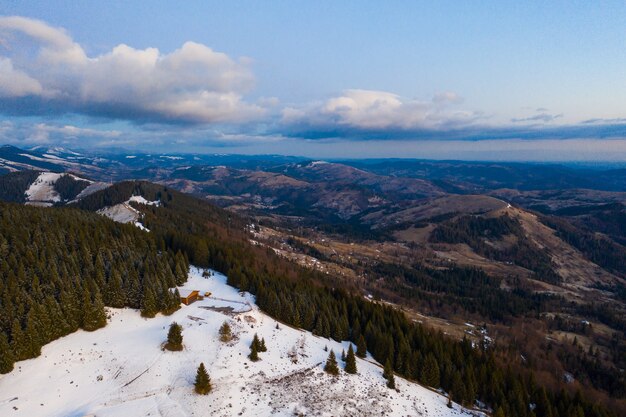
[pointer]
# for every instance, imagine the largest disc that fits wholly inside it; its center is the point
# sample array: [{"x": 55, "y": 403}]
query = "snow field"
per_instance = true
[
  {"x": 125, "y": 213},
  {"x": 42, "y": 189},
  {"x": 121, "y": 370}
]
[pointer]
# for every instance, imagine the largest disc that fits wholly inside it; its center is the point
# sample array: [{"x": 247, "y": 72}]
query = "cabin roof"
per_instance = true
[{"x": 185, "y": 292}]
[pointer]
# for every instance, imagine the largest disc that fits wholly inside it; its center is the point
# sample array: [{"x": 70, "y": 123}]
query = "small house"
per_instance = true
[{"x": 188, "y": 296}]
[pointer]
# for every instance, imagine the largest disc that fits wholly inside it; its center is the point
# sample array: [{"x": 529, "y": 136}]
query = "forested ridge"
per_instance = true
[
  {"x": 478, "y": 232},
  {"x": 183, "y": 228}
]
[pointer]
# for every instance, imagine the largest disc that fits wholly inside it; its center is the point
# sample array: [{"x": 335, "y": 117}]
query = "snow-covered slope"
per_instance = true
[
  {"x": 125, "y": 213},
  {"x": 121, "y": 370},
  {"x": 42, "y": 192}
]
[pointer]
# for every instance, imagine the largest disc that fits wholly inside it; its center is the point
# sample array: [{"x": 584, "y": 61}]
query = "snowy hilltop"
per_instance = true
[{"x": 123, "y": 370}]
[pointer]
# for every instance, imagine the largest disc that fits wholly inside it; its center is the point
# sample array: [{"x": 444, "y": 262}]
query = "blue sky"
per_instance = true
[{"x": 473, "y": 80}]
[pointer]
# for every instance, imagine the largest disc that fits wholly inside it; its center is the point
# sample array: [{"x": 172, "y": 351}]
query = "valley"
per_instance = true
[{"x": 536, "y": 277}]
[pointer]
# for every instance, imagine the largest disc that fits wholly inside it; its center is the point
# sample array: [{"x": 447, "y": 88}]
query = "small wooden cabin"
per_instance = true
[{"x": 188, "y": 296}]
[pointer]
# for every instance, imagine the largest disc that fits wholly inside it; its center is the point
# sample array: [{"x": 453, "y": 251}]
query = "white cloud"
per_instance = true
[
  {"x": 380, "y": 110},
  {"x": 48, "y": 71},
  {"x": 44, "y": 133}
]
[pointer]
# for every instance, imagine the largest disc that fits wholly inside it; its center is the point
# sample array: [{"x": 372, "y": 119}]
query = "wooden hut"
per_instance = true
[{"x": 188, "y": 296}]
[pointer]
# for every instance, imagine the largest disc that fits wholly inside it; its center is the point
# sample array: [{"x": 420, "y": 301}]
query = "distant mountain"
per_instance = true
[{"x": 474, "y": 177}]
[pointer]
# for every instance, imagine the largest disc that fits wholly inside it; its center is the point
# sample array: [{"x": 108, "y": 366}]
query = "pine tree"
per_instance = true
[
  {"x": 391, "y": 381},
  {"x": 174, "y": 337},
  {"x": 225, "y": 333},
  {"x": 350, "y": 361},
  {"x": 388, "y": 369},
  {"x": 361, "y": 347},
  {"x": 256, "y": 343},
  {"x": 6, "y": 355},
  {"x": 331, "y": 364},
  {"x": 149, "y": 307},
  {"x": 94, "y": 316},
  {"x": 254, "y": 351},
  {"x": 343, "y": 355},
  {"x": 203, "y": 381},
  {"x": 262, "y": 347},
  {"x": 430, "y": 372}
]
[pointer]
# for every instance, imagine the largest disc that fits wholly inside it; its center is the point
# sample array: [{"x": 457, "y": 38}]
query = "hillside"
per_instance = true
[
  {"x": 493, "y": 263},
  {"x": 122, "y": 370}
]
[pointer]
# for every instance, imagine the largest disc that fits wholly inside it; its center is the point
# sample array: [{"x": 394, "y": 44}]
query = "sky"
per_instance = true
[{"x": 491, "y": 80}]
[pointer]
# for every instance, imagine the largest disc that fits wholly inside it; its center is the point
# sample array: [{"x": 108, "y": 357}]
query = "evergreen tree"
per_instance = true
[
  {"x": 430, "y": 372},
  {"x": 331, "y": 364},
  {"x": 6, "y": 355},
  {"x": 361, "y": 347},
  {"x": 94, "y": 316},
  {"x": 262, "y": 347},
  {"x": 256, "y": 343},
  {"x": 350, "y": 361},
  {"x": 203, "y": 381},
  {"x": 388, "y": 369},
  {"x": 343, "y": 355},
  {"x": 174, "y": 337},
  {"x": 391, "y": 381},
  {"x": 149, "y": 307},
  {"x": 254, "y": 351},
  {"x": 225, "y": 332}
]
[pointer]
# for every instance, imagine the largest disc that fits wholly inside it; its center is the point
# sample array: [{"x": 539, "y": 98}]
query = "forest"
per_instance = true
[{"x": 60, "y": 267}]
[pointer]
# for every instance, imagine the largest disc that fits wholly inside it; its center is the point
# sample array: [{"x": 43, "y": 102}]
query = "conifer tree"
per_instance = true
[
  {"x": 6, "y": 355},
  {"x": 361, "y": 347},
  {"x": 174, "y": 337},
  {"x": 262, "y": 347},
  {"x": 391, "y": 381},
  {"x": 149, "y": 307},
  {"x": 256, "y": 343},
  {"x": 350, "y": 361},
  {"x": 254, "y": 352},
  {"x": 430, "y": 372},
  {"x": 225, "y": 332},
  {"x": 343, "y": 355},
  {"x": 203, "y": 381},
  {"x": 331, "y": 364},
  {"x": 94, "y": 316},
  {"x": 388, "y": 369}
]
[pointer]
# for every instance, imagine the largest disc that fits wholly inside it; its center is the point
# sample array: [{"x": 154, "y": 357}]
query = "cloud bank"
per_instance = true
[
  {"x": 44, "y": 71},
  {"x": 364, "y": 113},
  {"x": 195, "y": 98}
]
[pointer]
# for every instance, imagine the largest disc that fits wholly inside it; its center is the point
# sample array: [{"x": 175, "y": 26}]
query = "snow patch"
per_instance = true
[
  {"x": 141, "y": 200},
  {"x": 125, "y": 213},
  {"x": 42, "y": 191},
  {"x": 91, "y": 188},
  {"x": 121, "y": 213}
]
